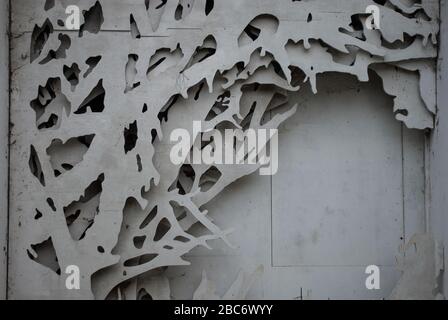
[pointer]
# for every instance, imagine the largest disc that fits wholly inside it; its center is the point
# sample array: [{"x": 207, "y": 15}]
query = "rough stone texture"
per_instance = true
[{"x": 92, "y": 183}]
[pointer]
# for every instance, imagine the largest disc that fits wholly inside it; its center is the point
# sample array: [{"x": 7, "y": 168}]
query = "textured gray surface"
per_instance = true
[
  {"x": 331, "y": 216},
  {"x": 439, "y": 149},
  {"x": 99, "y": 228},
  {"x": 4, "y": 127}
]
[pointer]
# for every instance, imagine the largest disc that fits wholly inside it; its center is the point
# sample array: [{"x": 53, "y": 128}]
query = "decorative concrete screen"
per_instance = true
[{"x": 93, "y": 187}]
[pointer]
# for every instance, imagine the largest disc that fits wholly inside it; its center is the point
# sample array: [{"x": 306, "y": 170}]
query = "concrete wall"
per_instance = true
[
  {"x": 439, "y": 177},
  {"x": 4, "y": 119},
  {"x": 439, "y": 147},
  {"x": 321, "y": 220}
]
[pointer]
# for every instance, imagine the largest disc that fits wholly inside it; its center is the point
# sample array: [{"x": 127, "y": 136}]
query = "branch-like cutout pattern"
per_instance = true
[{"x": 96, "y": 109}]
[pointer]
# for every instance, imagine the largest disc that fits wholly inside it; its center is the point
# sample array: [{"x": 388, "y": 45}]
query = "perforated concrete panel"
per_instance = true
[{"x": 92, "y": 183}]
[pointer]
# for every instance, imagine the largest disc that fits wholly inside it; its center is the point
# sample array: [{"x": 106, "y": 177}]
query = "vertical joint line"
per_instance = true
[
  {"x": 271, "y": 213},
  {"x": 427, "y": 173},
  {"x": 8, "y": 205},
  {"x": 403, "y": 185}
]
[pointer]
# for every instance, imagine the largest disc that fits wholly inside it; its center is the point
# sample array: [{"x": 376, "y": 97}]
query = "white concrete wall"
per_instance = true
[
  {"x": 4, "y": 119},
  {"x": 439, "y": 148}
]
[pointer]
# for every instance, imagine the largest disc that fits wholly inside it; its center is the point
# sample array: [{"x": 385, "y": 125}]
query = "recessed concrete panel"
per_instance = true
[
  {"x": 338, "y": 196},
  {"x": 307, "y": 250}
]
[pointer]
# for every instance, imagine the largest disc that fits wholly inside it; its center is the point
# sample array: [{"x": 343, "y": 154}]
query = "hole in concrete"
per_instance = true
[
  {"x": 130, "y": 73},
  {"x": 178, "y": 12},
  {"x": 140, "y": 260},
  {"x": 72, "y": 75},
  {"x": 38, "y": 215},
  {"x": 162, "y": 229},
  {"x": 49, "y": 105},
  {"x": 35, "y": 166},
  {"x": 264, "y": 25},
  {"x": 182, "y": 239},
  {"x": 152, "y": 214},
  {"x": 139, "y": 241},
  {"x": 49, "y": 4},
  {"x": 60, "y": 53},
  {"x": 203, "y": 52},
  {"x": 209, "y": 4},
  {"x": 135, "y": 32},
  {"x": 144, "y": 295},
  {"x": 92, "y": 62},
  {"x": 209, "y": 179},
  {"x": 130, "y": 137},
  {"x": 162, "y": 60},
  {"x": 94, "y": 101},
  {"x": 51, "y": 204},
  {"x": 39, "y": 38},
  {"x": 80, "y": 215},
  {"x": 221, "y": 104},
  {"x": 93, "y": 19},
  {"x": 44, "y": 253},
  {"x": 65, "y": 156},
  {"x": 139, "y": 163}
]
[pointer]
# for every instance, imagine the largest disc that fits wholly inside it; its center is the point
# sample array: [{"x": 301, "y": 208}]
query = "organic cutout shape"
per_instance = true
[{"x": 127, "y": 211}]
